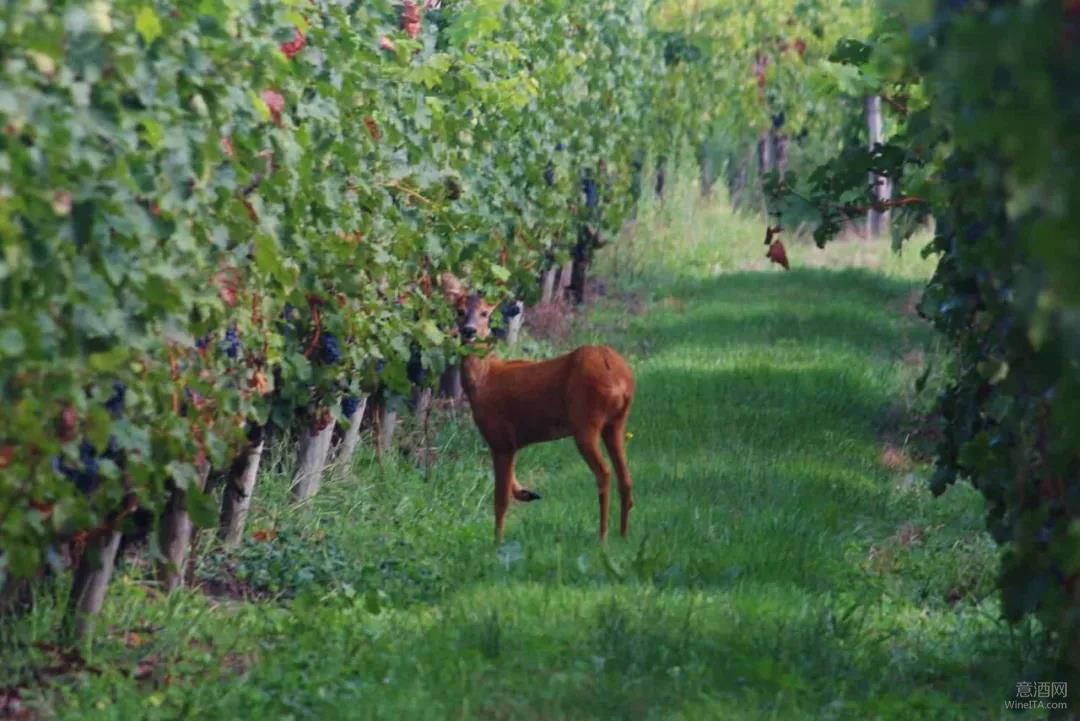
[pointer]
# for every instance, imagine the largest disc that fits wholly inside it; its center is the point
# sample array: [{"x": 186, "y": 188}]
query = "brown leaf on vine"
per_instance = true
[
  {"x": 7, "y": 455},
  {"x": 226, "y": 146},
  {"x": 372, "y": 128},
  {"x": 61, "y": 202},
  {"x": 42, "y": 507},
  {"x": 322, "y": 420},
  {"x": 260, "y": 383},
  {"x": 778, "y": 255},
  {"x": 67, "y": 423}
]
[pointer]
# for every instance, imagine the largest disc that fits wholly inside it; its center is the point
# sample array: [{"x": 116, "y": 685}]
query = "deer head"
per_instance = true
[{"x": 473, "y": 312}]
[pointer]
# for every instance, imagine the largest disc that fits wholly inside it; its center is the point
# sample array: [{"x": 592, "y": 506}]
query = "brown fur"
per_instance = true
[{"x": 585, "y": 394}]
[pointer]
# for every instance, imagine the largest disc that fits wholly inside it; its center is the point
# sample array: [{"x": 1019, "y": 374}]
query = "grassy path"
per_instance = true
[{"x": 783, "y": 562}]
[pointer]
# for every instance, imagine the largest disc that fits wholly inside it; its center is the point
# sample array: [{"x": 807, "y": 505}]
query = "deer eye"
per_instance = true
[
  {"x": 484, "y": 314},
  {"x": 461, "y": 312}
]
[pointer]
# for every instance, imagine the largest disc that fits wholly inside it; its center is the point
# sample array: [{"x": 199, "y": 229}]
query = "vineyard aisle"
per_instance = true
[{"x": 785, "y": 560}]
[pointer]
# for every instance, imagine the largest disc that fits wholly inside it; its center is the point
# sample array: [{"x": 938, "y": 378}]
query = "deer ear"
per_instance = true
[{"x": 451, "y": 287}]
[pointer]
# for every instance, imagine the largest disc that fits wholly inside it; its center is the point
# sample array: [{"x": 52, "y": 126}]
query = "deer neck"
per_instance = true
[{"x": 474, "y": 373}]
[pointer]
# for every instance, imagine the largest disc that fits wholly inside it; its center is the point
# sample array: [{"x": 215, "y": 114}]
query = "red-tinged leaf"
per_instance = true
[
  {"x": 275, "y": 103},
  {"x": 292, "y": 48},
  {"x": 65, "y": 426},
  {"x": 387, "y": 44},
  {"x": 45, "y": 509},
  {"x": 778, "y": 255},
  {"x": 410, "y": 18},
  {"x": 227, "y": 146},
  {"x": 372, "y": 128}
]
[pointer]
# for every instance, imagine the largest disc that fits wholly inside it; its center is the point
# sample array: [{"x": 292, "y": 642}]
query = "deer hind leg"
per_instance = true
[
  {"x": 588, "y": 443},
  {"x": 615, "y": 441},
  {"x": 504, "y": 486},
  {"x": 523, "y": 494}
]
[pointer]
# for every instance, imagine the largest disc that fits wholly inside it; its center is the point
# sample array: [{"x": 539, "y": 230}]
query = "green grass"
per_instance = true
[{"x": 770, "y": 572}]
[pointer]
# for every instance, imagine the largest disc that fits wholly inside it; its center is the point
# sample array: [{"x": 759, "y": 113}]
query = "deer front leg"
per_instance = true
[{"x": 504, "y": 485}]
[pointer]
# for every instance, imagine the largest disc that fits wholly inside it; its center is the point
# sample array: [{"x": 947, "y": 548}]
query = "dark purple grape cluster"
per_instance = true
[
  {"x": 204, "y": 342},
  {"x": 231, "y": 345},
  {"x": 415, "y": 370},
  {"x": 331, "y": 353},
  {"x": 379, "y": 365},
  {"x": 510, "y": 310},
  {"x": 549, "y": 175},
  {"x": 115, "y": 404},
  {"x": 85, "y": 474},
  {"x": 588, "y": 186},
  {"x": 349, "y": 404}
]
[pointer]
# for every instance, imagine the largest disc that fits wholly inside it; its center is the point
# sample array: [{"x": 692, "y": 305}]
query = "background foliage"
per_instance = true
[{"x": 986, "y": 146}]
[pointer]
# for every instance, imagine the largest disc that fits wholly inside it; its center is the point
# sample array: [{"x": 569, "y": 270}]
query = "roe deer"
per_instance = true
[{"x": 585, "y": 394}]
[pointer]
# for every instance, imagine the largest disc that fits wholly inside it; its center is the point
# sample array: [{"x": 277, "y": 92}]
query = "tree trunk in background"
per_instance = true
[
  {"x": 236, "y": 500},
  {"x": 314, "y": 452},
  {"x": 779, "y": 150},
  {"x": 548, "y": 286},
  {"x": 174, "y": 535},
  {"x": 766, "y": 162},
  {"x": 347, "y": 449},
  {"x": 513, "y": 329},
  {"x": 578, "y": 280},
  {"x": 421, "y": 401},
  {"x": 565, "y": 278},
  {"x": 708, "y": 172},
  {"x": 877, "y": 222},
  {"x": 92, "y": 576},
  {"x": 450, "y": 383},
  {"x": 385, "y": 427}
]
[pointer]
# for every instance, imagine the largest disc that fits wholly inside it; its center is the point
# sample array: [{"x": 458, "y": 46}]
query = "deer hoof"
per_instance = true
[{"x": 525, "y": 495}]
